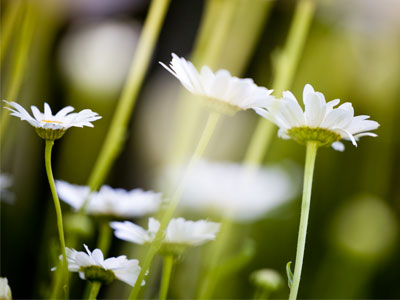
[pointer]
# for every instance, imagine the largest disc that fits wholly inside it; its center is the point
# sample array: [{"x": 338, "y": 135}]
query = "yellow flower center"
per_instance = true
[{"x": 48, "y": 121}]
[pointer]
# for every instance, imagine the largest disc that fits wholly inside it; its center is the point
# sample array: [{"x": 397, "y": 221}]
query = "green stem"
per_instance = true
[
  {"x": 94, "y": 291},
  {"x": 49, "y": 146},
  {"x": 212, "y": 275},
  {"x": 312, "y": 148},
  {"x": 105, "y": 235},
  {"x": 116, "y": 134},
  {"x": 286, "y": 66},
  {"x": 166, "y": 275},
  {"x": 155, "y": 245},
  {"x": 261, "y": 294},
  {"x": 19, "y": 64}
]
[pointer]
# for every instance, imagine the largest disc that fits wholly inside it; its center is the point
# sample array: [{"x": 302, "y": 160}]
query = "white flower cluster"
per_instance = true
[
  {"x": 228, "y": 188},
  {"x": 179, "y": 232},
  {"x": 109, "y": 201},
  {"x": 319, "y": 122}
]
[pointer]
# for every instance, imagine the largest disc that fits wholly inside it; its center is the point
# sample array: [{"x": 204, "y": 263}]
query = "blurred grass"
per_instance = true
[{"x": 353, "y": 65}]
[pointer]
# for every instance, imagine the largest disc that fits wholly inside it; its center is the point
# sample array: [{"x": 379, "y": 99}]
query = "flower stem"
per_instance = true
[
  {"x": 284, "y": 72},
  {"x": 312, "y": 148},
  {"x": 105, "y": 235},
  {"x": 261, "y": 294},
  {"x": 115, "y": 136},
  {"x": 166, "y": 275},
  {"x": 169, "y": 212},
  {"x": 211, "y": 278},
  {"x": 49, "y": 146},
  {"x": 95, "y": 288}
]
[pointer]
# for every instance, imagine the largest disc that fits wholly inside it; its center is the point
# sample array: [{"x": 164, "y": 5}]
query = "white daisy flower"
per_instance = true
[
  {"x": 93, "y": 267},
  {"x": 224, "y": 91},
  {"x": 53, "y": 127},
  {"x": 110, "y": 201},
  {"x": 179, "y": 234},
  {"x": 5, "y": 290},
  {"x": 228, "y": 188},
  {"x": 320, "y": 121}
]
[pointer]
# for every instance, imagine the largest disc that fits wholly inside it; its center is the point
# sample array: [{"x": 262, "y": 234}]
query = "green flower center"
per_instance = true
[
  {"x": 50, "y": 134},
  {"x": 174, "y": 249},
  {"x": 304, "y": 134},
  {"x": 98, "y": 274}
]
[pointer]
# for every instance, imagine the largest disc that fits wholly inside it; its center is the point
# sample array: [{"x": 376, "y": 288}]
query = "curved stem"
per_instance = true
[
  {"x": 305, "y": 209},
  {"x": 166, "y": 275},
  {"x": 94, "y": 291},
  {"x": 155, "y": 245},
  {"x": 284, "y": 72},
  {"x": 49, "y": 146},
  {"x": 115, "y": 136}
]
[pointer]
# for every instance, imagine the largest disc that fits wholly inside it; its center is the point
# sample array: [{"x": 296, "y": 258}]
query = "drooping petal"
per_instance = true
[{"x": 338, "y": 146}]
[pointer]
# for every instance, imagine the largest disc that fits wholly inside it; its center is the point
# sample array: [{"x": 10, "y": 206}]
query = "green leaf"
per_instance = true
[{"x": 289, "y": 274}]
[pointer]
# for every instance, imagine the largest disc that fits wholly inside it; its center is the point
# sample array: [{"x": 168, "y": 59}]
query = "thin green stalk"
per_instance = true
[
  {"x": 19, "y": 64},
  {"x": 285, "y": 70},
  {"x": 105, "y": 236},
  {"x": 94, "y": 291},
  {"x": 261, "y": 139},
  {"x": 261, "y": 294},
  {"x": 49, "y": 146},
  {"x": 169, "y": 212},
  {"x": 312, "y": 148},
  {"x": 211, "y": 275},
  {"x": 116, "y": 134},
  {"x": 166, "y": 275}
]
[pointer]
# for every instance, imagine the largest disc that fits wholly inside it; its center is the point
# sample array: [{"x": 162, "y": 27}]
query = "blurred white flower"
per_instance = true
[
  {"x": 226, "y": 92},
  {"x": 228, "y": 188},
  {"x": 320, "y": 121},
  {"x": 179, "y": 232},
  {"x": 5, "y": 290},
  {"x": 5, "y": 184},
  {"x": 373, "y": 17},
  {"x": 93, "y": 267},
  {"x": 267, "y": 279},
  {"x": 96, "y": 56},
  {"x": 109, "y": 201},
  {"x": 49, "y": 126}
]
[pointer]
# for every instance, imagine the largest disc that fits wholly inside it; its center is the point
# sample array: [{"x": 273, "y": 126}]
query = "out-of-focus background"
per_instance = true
[{"x": 79, "y": 54}]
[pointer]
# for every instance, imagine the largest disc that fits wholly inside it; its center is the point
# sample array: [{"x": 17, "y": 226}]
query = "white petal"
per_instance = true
[
  {"x": 314, "y": 109},
  {"x": 338, "y": 146}
]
